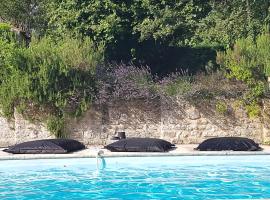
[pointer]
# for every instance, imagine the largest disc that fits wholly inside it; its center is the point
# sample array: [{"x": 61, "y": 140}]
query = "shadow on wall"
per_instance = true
[{"x": 164, "y": 59}]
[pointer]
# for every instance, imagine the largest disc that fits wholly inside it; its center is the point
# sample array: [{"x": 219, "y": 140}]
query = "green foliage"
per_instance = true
[
  {"x": 253, "y": 110},
  {"x": 221, "y": 107},
  {"x": 104, "y": 21},
  {"x": 4, "y": 27},
  {"x": 56, "y": 74},
  {"x": 109, "y": 21},
  {"x": 147, "y": 32},
  {"x": 175, "y": 85},
  {"x": 154, "y": 33},
  {"x": 24, "y": 14},
  {"x": 5, "y": 32},
  {"x": 62, "y": 73},
  {"x": 56, "y": 125},
  {"x": 144, "y": 31},
  {"x": 170, "y": 22},
  {"x": 263, "y": 47},
  {"x": 178, "y": 87},
  {"x": 231, "y": 20},
  {"x": 9, "y": 52},
  {"x": 175, "y": 23},
  {"x": 248, "y": 61}
]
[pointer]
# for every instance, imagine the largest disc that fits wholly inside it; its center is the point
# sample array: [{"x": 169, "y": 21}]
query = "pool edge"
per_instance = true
[{"x": 91, "y": 152}]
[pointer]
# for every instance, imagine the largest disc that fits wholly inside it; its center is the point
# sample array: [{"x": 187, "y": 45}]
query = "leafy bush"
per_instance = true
[
  {"x": 253, "y": 110},
  {"x": 56, "y": 125},
  {"x": 10, "y": 79},
  {"x": 5, "y": 30},
  {"x": 55, "y": 74},
  {"x": 263, "y": 47},
  {"x": 249, "y": 62},
  {"x": 230, "y": 20},
  {"x": 63, "y": 72},
  {"x": 221, "y": 107}
]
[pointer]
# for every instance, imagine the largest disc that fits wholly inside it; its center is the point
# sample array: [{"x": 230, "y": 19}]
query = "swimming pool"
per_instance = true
[{"x": 174, "y": 177}]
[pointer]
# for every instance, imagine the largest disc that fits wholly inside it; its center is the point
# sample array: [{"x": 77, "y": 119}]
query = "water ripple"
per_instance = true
[{"x": 176, "y": 180}]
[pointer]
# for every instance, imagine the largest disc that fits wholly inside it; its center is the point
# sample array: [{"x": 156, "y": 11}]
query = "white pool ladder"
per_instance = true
[{"x": 100, "y": 157}]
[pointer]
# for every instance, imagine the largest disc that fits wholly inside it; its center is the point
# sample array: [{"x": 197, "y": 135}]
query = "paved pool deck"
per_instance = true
[{"x": 91, "y": 152}]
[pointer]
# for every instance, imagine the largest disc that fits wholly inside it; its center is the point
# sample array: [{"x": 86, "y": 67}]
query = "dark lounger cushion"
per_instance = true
[
  {"x": 46, "y": 146},
  {"x": 229, "y": 143},
  {"x": 140, "y": 145}
]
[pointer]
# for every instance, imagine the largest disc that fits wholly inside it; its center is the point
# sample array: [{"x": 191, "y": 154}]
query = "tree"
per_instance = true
[
  {"x": 24, "y": 15},
  {"x": 138, "y": 30},
  {"x": 232, "y": 20},
  {"x": 169, "y": 22}
]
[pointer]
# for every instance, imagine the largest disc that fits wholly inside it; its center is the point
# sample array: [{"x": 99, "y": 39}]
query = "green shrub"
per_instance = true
[
  {"x": 55, "y": 74},
  {"x": 56, "y": 125},
  {"x": 11, "y": 80},
  {"x": 263, "y": 48},
  {"x": 174, "y": 85},
  {"x": 62, "y": 73},
  {"x": 249, "y": 62},
  {"x": 5, "y": 31},
  {"x": 221, "y": 107},
  {"x": 253, "y": 110},
  {"x": 179, "y": 86},
  {"x": 4, "y": 27}
]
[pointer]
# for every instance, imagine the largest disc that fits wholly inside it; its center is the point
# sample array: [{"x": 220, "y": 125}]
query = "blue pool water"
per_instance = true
[{"x": 186, "y": 177}]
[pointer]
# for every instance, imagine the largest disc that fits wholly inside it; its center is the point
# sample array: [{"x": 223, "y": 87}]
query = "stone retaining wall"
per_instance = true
[
  {"x": 179, "y": 122},
  {"x": 20, "y": 130}
]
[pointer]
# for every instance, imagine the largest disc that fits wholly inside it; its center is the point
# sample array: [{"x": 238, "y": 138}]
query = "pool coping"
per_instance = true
[{"x": 91, "y": 152}]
